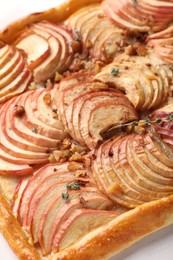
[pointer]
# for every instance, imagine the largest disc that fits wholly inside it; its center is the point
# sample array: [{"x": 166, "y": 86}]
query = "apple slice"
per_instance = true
[
  {"x": 38, "y": 177},
  {"x": 35, "y": 46},
  {"x": 3, "y": 49},
  {"x": 31, "y": 121},
  {"x": 120, "y": 21},
  {"x": 53, "y": 214},
  {"x": 80, "y": 223},
  {"x": 64, "y": 37},
  {"x": 48, "y": 112},
  {"x": 16, "y": 89},
  {"x": 123, "y": 172},
  {"x": 10, "y": 65},
  {"x": 145, "y": 174},
  {"x": 7, "y": 168},
  {"x": 48, "y": 202},
  {"x": 29, "y": 134},
  {"x": 102, "y": 116},
  {"x": 105, "y": 169},
  {"x": 12, "y": 136},
  {"x": 147, "y": 154},
  {"x": 7, "y": 56}
]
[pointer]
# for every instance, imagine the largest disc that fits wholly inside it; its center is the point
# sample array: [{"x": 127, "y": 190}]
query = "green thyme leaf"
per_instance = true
[
  {"x": 73, "y": 185},
  {"x": 159, "y": 120},
  {"x": 147, "y": 121},
  {"x": 65, "y": 196},
  {"x": 169, "y": 118},
  {"x": 114, "y": 71},
  {"x": 135, "y": 123}
]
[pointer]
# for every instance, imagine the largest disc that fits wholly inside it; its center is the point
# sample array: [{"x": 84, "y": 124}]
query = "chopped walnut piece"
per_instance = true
[
  {"x": 32, "y": 86},
  {"x": 89, "y": 44},
  {"x": 66, "y": 144},
  {"x": 74, "y": 166},
  {"x": 76, "y": 148},
  {"x": 18, "y": 110},
  {"x": 139, "y": 129},
  {"x": 58, "y": 77},
  {"x": 76, "y": 46},
  {"x": 49, "y": 84},
  {"x": 76, "y": 157},
  {"x": 47, "y": 98},
  {"x": 81, "y": 174},
  {"x": 59, "y": 156}
]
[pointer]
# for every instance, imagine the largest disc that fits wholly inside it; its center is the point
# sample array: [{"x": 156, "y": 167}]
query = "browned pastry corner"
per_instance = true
[
  {"x": 13, "y": 233},
  {"x": 86, "y": 127}
]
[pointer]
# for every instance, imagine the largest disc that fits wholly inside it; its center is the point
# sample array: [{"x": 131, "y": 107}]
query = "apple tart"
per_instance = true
[{"x": 86, "y": 132}]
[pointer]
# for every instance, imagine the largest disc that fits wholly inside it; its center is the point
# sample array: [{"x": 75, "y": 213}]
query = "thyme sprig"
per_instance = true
[
  {"x": 145, "y": 122},
  {"x": 74, "y": 185}
]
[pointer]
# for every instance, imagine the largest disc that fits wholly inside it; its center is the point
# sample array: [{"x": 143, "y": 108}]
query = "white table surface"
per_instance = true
[{"x": 157, "y": 246}]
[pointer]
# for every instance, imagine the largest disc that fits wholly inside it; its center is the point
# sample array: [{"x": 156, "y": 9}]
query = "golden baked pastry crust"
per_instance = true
[{"x": 108, "y": 240}]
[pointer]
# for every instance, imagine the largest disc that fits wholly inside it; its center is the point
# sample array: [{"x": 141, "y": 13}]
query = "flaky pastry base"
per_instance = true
[{"x": 112, "y": 238}]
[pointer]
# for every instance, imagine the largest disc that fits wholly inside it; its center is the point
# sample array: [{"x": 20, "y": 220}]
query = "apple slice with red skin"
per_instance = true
[
  {"x": 3, "y": 49},
  {"x": 142, "y": 180},
  {"x": 160, "y": 190},
  {"x": 47, "y": 201},
  {"x": 88, "y": 199},
  {"x": 123, "y": 172},
  {"x": 153, "y": 168},
  {"x": 18, "y": 88},
  {"x": 80, "y": 223},
  {"x": 78, "y": 106},
  {"x": 53, "y": 214},
  {"x": 22, "y": 130},
  {"x": 73, "y": 111},
  {"x": 17, "y": 194},
  {"x": 31, "y": 121},
  {"x": 67, "y": 95},
  {"x": 46, "y": 189},
  {"x": 47, "y": 68},
  {"x": 114, "y": 110},
  {"x": 12, "y": 136},
  {"x": 25, "y": 75},
  {"x": 38, "y": 177},
  {"x": 104, "y": 172},
  {"x": 9, "y": 66},
  {"x": 64, "y": 36},
  {"x": 48, "y": 112},
  {"x": 35, "y": 46},
  {"x": 7, "y": 56},
  {"x": 165, "y": 128},
  {"x": 121, "y": 22},
  {"x": 13, "y": 74},
  {"x": 13, "y": 169},
  {"x": 18, "y": 153}
]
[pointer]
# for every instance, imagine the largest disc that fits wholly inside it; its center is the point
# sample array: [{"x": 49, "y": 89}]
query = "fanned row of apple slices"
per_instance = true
[
  {"x": 163, "y": 44},
  {"x": 89, "y": 109},
  {"x": 144, "y": 79},
  {"x": 28, "y": 131},
  {"x": 140, "y": 16},
  {"x": 14, "y": 73},
  {"x": 100, "y": 38},
  {"x": 55, "y": 200},
  {"x": 48, "y": 49},
  {"x": 165, "y": 128},
  {"x": 133, "y": 169}
]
